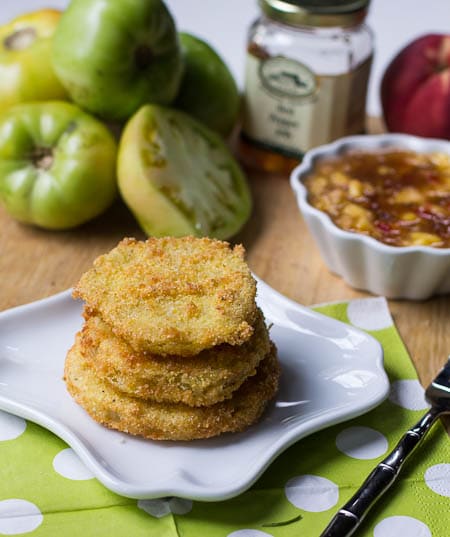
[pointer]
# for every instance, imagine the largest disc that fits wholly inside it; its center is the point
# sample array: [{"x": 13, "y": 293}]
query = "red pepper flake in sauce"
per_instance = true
[{"x": 398, "y": 197}]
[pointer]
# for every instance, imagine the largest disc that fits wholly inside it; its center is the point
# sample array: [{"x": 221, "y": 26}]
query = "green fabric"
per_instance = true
[{"x": 84, "y": 507}]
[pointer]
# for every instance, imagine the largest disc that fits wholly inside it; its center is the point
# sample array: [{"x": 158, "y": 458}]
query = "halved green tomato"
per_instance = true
[{"x": 179, "y": 178}]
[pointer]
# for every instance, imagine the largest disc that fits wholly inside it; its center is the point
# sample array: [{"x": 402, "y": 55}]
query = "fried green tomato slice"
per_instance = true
[
  {"x": 170, "y": 421},
  {"x": 207, "y": 378},
  {"x": 173, "y": 295}
]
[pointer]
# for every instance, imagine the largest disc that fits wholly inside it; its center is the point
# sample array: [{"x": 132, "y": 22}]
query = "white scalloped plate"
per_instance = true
[{"x": 331, "y": 372}]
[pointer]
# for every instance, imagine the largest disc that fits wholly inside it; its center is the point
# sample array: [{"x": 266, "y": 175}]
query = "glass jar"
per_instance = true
[{"x": 308, "y": 65}]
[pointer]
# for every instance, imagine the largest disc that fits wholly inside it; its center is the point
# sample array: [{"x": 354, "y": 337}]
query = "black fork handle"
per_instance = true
[{"x": 350, "y": 516}]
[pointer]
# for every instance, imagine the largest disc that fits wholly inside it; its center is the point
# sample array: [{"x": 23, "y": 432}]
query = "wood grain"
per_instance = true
[{"x": 36, "y": 263}]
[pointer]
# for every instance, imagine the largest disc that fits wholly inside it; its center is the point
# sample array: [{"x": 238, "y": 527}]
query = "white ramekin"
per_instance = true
[{"x": 411, "y": 272}]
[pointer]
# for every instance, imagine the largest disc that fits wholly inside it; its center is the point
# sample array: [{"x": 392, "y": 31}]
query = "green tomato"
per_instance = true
[
  {"x": 26, "y": 73},
  {"x": 57, "y": 165},
  {"x": 115, "y": 55},
  {"x": 208, "y": 90},
  {"x": 179, "y": 178}
]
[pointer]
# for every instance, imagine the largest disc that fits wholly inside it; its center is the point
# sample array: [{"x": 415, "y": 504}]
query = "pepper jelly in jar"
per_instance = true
[{"x": 308, "y": 65}]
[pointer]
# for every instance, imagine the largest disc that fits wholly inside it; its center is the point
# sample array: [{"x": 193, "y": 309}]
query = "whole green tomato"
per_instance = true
[
  {"x": 57, "y": 165},
  {"x": 113, "y": 56},
  {"x": 26, "y": 72},
  {"x": 208, "y": 90}
]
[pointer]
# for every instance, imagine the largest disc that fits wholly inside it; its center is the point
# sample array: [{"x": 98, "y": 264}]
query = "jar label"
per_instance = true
[
  {"x": 289, "y": 109},
  {"x": 283, "y": 77}
]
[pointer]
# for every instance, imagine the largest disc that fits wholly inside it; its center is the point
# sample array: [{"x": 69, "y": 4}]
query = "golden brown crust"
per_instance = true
[
  {"x": 173, "y": 295},
  {"x": 204, "y": 379},
  {"x": 170, "y": 421}
]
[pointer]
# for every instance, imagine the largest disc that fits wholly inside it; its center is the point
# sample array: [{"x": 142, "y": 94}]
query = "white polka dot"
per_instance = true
[
  {"x": 249, "y": 533},
  {"x": 69, "y": 465},
  {"x": 162, "y": 507},
  {"x": 156, "y": 508},
  {"x": 408, "y": 394},
  {"x": 11, "y": 426},
  {"x": 361, "y": 443},
  {"x": 312, "y": 493},
  {"x": 394, "y": 526},
  {"x": 437, "y": 478},
  {"x": 369, "y": 313},
  {"x": 19, "y": 516},
  {"x": 180, "y": 506}
]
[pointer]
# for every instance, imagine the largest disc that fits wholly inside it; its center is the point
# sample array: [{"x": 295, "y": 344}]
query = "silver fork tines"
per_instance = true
[
  {"x": 438, "y": 392},
  {"x": 348, "y": 519}
]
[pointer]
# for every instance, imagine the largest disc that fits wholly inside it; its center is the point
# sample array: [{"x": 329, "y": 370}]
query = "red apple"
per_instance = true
[{"x": 415, "y": 90}]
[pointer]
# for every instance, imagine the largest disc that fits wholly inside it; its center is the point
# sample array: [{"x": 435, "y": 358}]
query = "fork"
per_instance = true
[{"x": 350, "y": 516}]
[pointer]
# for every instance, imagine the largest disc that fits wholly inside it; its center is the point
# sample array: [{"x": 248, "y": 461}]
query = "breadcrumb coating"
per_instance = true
[
  {"x": 207, "y": 378},
  {"x": 170, "y": 421},
  {"x": 174, "y": 296}
]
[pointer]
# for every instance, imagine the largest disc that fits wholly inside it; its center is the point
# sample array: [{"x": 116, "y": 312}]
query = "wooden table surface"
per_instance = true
[{"x": 36, "y": 263}]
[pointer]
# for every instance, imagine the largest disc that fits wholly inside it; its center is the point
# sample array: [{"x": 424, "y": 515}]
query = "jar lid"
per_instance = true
[{"x": 316, "y": 12}]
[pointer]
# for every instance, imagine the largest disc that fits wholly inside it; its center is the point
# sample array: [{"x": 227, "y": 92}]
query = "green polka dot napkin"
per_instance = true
[{"x": 45, "y": 490}]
